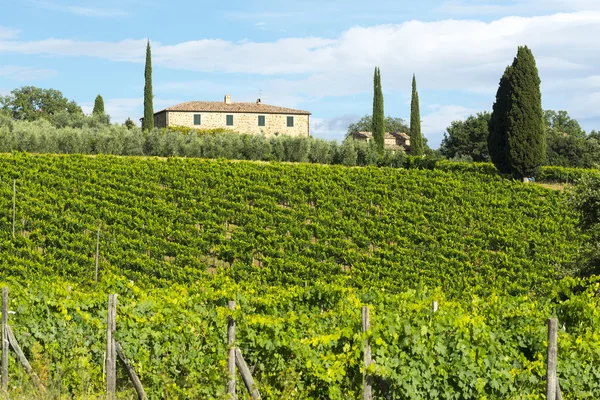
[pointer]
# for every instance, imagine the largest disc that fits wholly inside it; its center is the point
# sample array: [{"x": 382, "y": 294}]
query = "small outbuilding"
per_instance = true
[{"x": 391, "y": 140}]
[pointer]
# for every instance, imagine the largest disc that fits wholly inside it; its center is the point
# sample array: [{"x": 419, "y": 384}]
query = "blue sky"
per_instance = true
[{"x": 313, "y": 55}]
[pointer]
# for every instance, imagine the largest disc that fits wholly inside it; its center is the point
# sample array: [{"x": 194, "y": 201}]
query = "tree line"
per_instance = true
[
  {"x": 567, "y": 144},
  {"x": 30, "y": 103},
  {"x": 518, "y": 136},
  {"x": 91, "y": 136}
]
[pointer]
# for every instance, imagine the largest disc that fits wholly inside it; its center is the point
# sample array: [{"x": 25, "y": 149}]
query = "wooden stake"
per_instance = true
[
  {"x": 15, "y": 345},
  {"x": 97, "y": 255},
  {"x": 558, "y": 391},
  {"x": 231, "y": 355},
  {"x": 111, "y": 357},
  {"x": 14, "y": 205},
  {"x": 137, "y": 384},
  {"x": 4, "y": 339},
  {"x": 551, "y": 381},
  {"x": 368, "y": 384},
  {"x": 246, "y": 375}
]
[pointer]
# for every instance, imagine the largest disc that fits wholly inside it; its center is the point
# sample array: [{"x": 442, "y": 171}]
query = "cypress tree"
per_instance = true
[
  {"x": 98, "y": 106},
  {"x": 498, "y": 125},
  {"x": 148, "y": 123},
  {"x": 378, "y": 113},
  {"x": 129, "y": 124},
  {"x": 416, "y": 139},
  {"x": 526, "y": 129}
]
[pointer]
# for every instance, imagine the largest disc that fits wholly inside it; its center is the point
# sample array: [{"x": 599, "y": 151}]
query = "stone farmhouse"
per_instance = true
[
  {"x": 248, "y": 118},
  {"x": 391, "y": 140}
]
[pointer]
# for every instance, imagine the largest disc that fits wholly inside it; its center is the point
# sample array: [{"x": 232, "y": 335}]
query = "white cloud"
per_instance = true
[
  {"x": 21, "y": 74},
  {"x": 449, "y": 54},
  {"x": 284, "y": 56},
  {"x": 586, "y": 105},
  {"x": 79, "y": 10},
  {"x": 560, "y": 64},
  {"x": 589, "y": 82},
  {"x": 436, "y": 122},
  {"x": 126, "y": 50},
  {"x": 580, "y": 96},
  {"x": 332, "y": 128}
]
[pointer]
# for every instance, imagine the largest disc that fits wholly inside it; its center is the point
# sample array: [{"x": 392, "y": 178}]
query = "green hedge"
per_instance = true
[
  {"x": 564, "y": 174},
  {"x": 546, "y": 173}
]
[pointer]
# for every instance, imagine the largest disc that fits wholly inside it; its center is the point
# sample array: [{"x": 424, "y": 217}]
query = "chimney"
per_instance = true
[
  {"x": 258, "y": 101},
  {"x": 227, "y": 99}
]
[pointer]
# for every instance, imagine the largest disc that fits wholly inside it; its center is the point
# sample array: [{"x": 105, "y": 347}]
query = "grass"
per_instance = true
[{"x": 554, "y": 186}]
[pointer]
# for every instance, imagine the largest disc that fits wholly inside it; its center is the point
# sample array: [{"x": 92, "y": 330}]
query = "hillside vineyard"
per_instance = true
[
  {"x": 300, "y": 248},
  {"x": 174, "y": 219}
]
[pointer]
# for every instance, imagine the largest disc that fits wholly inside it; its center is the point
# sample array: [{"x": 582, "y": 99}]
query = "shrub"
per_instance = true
[{"x": 348, "y": 154}]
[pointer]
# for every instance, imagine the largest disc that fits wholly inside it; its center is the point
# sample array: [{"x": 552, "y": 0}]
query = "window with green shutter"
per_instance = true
[
  {"x": 290, "y": 122},
  {"x": 230, "y": 120},
  {"x": 196, "y": 119},
  {"x": 261, "y": 120}
]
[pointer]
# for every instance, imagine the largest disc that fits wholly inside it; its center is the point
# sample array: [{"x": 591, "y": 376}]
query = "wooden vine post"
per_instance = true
[
  {"x": 21, "y": 356},
  {"x": 4, "y": 364},
  {"x": 14, "y": 206},
  {"x": 231, "y": 353},
  {"x": 137, "y": 384},
  {"x": 9, "y": 339},
  {"x": 367, "y": 379},
  {"x": 235, "y": 358},
  {"x": 114, "y": 349},
  {"x": 552, "y": 387},
  {"x": 111, "y": 349},
  {"x": 97, "y": 255},
  {"x": 246, "y": 375}
]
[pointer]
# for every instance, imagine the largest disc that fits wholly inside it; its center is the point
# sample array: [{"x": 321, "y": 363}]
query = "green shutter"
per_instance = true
[
  {"x": 230, "y": 120},
  {"x": 196, "y": 119},
  {"x": 261, "y": 120},
  {"x": 290, "y": 122}
]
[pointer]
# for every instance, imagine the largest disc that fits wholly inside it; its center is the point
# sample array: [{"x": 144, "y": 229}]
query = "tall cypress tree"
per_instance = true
[
  {"x": 517, "y": 137},
  {"x": 148, "y": 123},
  {"x": 378, "y": 113},
  {"x": 98, "y": 106},
  {"x": 416, "y": 139},
  {"x": 526, "y": 129},
  {"x": 498, "y": 125}
]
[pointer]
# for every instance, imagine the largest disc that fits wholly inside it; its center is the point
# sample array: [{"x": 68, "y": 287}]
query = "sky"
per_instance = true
[{"x": 312, "y": 55}]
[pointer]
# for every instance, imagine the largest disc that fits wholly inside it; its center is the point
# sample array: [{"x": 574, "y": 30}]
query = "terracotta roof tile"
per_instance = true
[{"x": 236, "y": 107}]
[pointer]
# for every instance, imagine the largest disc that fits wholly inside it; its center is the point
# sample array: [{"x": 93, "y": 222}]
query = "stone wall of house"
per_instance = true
[
  {"x": 242, "y": 122},
  {"x": 160, "y": 120},
  {"x": 389, "y": 142}
]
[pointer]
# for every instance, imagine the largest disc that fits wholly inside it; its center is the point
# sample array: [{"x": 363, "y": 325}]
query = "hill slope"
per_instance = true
[
  {"x": 282, "y": 223},
  {"x": 300, "y": 248}
]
